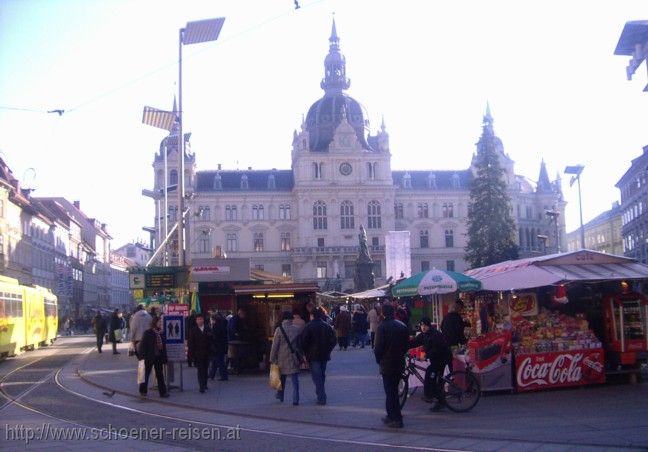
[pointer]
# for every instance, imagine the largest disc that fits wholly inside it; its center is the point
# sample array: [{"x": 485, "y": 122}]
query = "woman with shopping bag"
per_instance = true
[
  {"x": 286, "y": 356},
  {"x": 152, "y": 353}
]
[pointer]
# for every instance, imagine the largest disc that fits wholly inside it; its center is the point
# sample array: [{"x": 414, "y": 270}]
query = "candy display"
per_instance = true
[{"x": 552, "y": 331}]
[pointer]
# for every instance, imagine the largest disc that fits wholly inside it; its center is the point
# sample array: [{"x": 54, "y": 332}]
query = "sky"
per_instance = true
[{"x": 556, "y": 90}]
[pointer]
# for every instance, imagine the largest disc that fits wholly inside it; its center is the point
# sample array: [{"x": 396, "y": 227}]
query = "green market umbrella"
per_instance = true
[{"x": 434, "y": 282}]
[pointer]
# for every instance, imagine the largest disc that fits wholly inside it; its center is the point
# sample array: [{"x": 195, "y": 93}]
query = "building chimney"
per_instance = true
[
  {"x": 249, "y": 168},
  {"x": 219, "y": 167},
  {"x": 77, "y": 204}
]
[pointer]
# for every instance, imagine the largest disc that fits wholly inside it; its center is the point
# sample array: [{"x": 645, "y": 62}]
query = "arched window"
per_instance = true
[
  {"x": 218, "y": 183},
  {"x": 318, "y": 168},
  {"x": 272, "y": 185},
  {"x": 448, "y": 210},
  {"x": 244, "y": 182},
  {"x": 373, "y": 215},
  {"x": 422, "y": 210},
  {"x": 431, "y": 180},
  {"x": 347, "y": 219},
  {"x": 258, "y": 241},
  {"x": 407, "y": 181},
  {"x": 319, "y": 215},
  {"x": 370, "y": 171},
  {"x": 284, "y": 212},
  {"x": 231, "y": 213},
  {"x": 257, "y": 212},
  {"x": 173, "y": 177}
]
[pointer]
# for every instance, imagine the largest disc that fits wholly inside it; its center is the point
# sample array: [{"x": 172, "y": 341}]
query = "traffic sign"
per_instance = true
[{"x": 136, "y": 280}]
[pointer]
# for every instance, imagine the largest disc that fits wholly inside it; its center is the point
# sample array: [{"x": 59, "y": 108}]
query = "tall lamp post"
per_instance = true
[
  {"x": 194, "y": 32},
  {"x": 575, "y": 171}
]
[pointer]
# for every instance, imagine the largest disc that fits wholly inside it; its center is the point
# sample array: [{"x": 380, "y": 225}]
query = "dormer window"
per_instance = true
[
  {"x": 456, "y": 182},
  {"x": 431, "y": 180},
  {"x": 218, "y": 183},
  {"x": 407, "y": 181},
  {"x": 271, "y": 182},
  {"x": 244, "y": 182}
]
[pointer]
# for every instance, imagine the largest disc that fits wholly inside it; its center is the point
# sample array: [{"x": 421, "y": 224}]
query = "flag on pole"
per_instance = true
[
  {"x": 195, "y": 302},
  {"x": 159, "y": 118}
]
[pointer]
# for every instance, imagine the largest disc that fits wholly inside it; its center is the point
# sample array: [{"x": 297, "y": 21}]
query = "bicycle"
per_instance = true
[{"x": 461, "y": 389}]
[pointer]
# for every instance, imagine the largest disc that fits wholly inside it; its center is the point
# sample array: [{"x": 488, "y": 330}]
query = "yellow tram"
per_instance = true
[{"x": 28, "y": 317}]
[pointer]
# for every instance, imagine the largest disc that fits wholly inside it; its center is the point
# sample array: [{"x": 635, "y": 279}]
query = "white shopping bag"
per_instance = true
[{"x": 141, "y": 370}]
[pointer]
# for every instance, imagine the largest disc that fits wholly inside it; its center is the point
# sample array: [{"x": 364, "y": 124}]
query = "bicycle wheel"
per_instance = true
[
  {"x": 461, "y": 391},
  {"x": 403, "y": 390}
]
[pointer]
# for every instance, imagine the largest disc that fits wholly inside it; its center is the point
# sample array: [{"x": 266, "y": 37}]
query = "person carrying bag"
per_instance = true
[{"x": 285, "y": 356}]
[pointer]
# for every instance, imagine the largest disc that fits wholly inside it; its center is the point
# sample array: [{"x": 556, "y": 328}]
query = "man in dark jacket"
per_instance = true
[
  {"x": 190, "y": 324},
  {"x": 236, "y": 328},
  {"x": 219, "y": 347},
  {"x": 152, "y": 350},
  {"x": 200, "y": 343},
  {"x": 392, "y": 343},
  {"x": 452, "y": 326},
  {"x": 317, "y": 340},
  {"x": 439, "y": 354},
  {"x": 99, "y": 328}
]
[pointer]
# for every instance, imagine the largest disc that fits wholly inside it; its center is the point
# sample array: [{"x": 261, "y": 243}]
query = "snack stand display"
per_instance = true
[{"x": 626, "y": 325}]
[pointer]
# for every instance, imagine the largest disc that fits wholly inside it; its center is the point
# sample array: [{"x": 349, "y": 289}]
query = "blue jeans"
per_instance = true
[
  {"x": 294, "y": 378},
  {"x": 318, "y": 372},
  {"x": 218, "y": 363}
]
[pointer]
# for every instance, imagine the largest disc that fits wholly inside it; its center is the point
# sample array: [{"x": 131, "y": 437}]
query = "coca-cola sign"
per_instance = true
[{"x": 559, "y": 369}]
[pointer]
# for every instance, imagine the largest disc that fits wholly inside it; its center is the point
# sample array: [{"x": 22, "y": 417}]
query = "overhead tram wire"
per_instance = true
[{"x": 191, "y": 55}]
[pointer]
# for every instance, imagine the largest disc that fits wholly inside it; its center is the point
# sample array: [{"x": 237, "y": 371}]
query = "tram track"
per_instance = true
[{"x": 50, "y": 397}]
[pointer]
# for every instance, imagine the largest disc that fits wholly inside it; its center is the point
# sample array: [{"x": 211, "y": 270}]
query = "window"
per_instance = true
[
  {"x": 173, "y": 213},
  {"x": 407, "y": 181},
  {"x": 450, "y": 266},
  {"x": 232, "y": 242},
  {"x": 529, "y": 212},
  {"x": 347, "y": 220},
  {"x": 425, "y": 266},
  {"x": 449, "y": 238},
  {"x": 257, "y": 212},
  {"x": 285, "y": 241},
  {"x": 286, "y": 269},
  {"x": 204, "y": 242},
  {"x": 231, "y": 213},
  {"x": 173, "y": 177},
  {"x": 375, "y": 241},
  {"x": 259, "y": 267},
  {"x": 422, "y": 210},
  {"x": 318, "y": 168},
  {"x": 258, "y": 241},
  {"x": 218, "y": 182},
  {"x": 244, "y": 182},
  {"x": 204, "y": 213},
  {"x": 319, "y": 215},
  {"x": 320, "y": 242},
  {"x": 398, "y": 211},
  {"x": 448, "y": 210},
  {"x": 370, "y": 171},
  {"x": 373, "y": 215},
  {"x": 349, "y": 269},
  {"x": 431, "y": 180},
  {"x": 424, "y": 239},
  {"x": 377, "y": 269},
  {"x": 456, "y": 182},
  {"x": 271, "y": 182},
  {"x": 321, "y": 270},
  {"x": 284, "y": 212}
]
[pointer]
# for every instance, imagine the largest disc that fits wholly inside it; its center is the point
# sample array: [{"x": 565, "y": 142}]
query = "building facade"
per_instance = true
[
  {"x": 304, "y": 221},
  {"x": 634, "y": 208},
  {"x": 602, "y": 234}
]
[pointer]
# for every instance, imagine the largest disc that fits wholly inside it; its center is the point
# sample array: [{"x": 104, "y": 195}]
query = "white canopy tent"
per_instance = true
[{"x": 583, "y": 266}]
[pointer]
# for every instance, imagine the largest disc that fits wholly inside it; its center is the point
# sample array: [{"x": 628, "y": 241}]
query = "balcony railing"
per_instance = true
[{"x": 333, "y": 250}]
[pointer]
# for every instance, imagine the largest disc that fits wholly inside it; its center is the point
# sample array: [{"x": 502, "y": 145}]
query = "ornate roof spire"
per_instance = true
[
  {"x": 335, "y": 80},
  {"x": 382, "y": 124},
  {"x": 543, "y": 179}
]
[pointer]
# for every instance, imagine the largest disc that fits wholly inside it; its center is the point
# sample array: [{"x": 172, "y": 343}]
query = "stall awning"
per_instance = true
[
  {"x": 378, "y": 292},
  {"x": 274, "y": 288},
  {"x": 583, "y": 265}
]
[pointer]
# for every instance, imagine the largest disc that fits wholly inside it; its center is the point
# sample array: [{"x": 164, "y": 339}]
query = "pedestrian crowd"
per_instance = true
[{"x": 298, "y": 343}]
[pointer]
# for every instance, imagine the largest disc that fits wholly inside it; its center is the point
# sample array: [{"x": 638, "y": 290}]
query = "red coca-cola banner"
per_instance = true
[{"x": 559, "y": 369}]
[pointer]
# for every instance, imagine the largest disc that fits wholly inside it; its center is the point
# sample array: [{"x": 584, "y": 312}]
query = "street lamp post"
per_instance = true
[
  {"x": 194, "y": 32},
  {"x": 575, "y": 171}
]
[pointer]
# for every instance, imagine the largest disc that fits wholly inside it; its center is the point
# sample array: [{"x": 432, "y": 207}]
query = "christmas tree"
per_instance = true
[{"x": 491, "y": 228}]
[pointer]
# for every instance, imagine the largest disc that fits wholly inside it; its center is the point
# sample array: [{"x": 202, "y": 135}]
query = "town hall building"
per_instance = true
[{"x": 304, "y": 221}]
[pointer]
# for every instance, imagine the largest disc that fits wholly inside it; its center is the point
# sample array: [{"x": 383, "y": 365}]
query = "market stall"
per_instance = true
[{"x": 573, "y": 317}]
